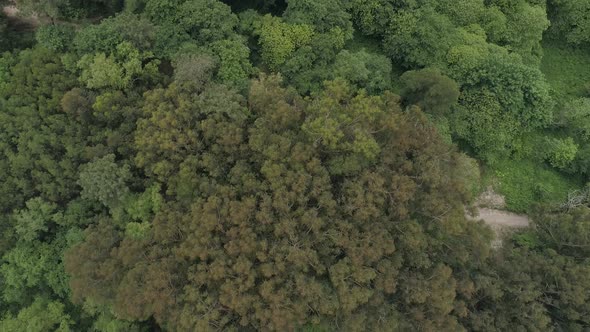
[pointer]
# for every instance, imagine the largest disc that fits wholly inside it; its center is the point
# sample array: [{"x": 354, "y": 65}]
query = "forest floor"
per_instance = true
[
  {"x": 490, "y": 207},
  {"x": 12, "y": 13},
  {"x": 501, "y": 218},
  {"x": 32, "y": 22}
]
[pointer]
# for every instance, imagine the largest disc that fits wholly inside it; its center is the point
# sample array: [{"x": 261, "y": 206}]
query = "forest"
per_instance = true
[{"x": 293, "y": 165}]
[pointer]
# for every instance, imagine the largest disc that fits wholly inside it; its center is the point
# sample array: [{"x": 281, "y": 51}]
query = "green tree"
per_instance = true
[
  {"x": 312, "y": 64},
  {"x": 33, "y": 221},
  {"x": 234, "y": 62},
  {"x": 323, "y": 15},
  {"x": 33, "y": 268},
  {"x": 575, "y": 117},
  {"x": 561, "y": 152},
  {"x": 526, "y": 23},
  {"x": 162, "y": 11},
  {"x": 480, "y": 120},
  {"x": 372, "y": 17},
  {"x": 366, "y": 70},
  {"x": 55, "y": 37},
  {"x": 118, "y": 70},
  {"x": 569, "y": 18},
  {"x": 207, "y": 20},
  {"x": 420, "y": 37},
  {"x": 41, "y": 315},
  {"x": 111, "y": 32},
  {"x": 278, "y": 40},
  {"x": 105, "y": 181}
]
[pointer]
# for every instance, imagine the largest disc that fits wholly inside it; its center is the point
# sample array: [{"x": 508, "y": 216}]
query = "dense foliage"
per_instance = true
[{"x": 206, "y": 165}]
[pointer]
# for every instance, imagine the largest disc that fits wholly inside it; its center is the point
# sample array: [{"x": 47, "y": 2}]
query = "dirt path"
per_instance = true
[
  {"x": 499, "y": 218},
  {"x": 490, "y": 208},
  {"x": 501, "y": 222}
]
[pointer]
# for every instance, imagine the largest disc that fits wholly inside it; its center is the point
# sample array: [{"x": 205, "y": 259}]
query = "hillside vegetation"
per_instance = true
[{"x": 293, "y": 165}]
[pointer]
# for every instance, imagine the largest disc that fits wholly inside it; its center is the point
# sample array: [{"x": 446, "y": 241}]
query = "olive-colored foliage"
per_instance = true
[
  {"x": 264, "y": 235},
  {"x": 35, "y": 133},
  {"x": 194, "y": 69},
  {"x": 540, "y": 283},
  {"x": 350, "y": 128},
  {"x": 175, "y": 126},
  {"x": 429, "y": 89},
  {"x": 149, "y": 184},
  {"x": 567, "y": 233},
  {"x": 47, "y": 128}
]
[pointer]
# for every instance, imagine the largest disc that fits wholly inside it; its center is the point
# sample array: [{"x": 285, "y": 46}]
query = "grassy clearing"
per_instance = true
[
  {"x": 528, "y": 180},
  {"x": 525, "y": 182},
  {"x": 567, "y": 69}
]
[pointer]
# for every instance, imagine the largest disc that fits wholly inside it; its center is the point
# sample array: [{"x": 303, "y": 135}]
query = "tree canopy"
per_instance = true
[{"x": 297, "y": 165}]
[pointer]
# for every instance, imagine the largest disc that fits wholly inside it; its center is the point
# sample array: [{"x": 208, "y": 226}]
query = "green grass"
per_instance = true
[
  {"x": 525, "y": 182},
  {"x": 529, "y": 180},
  {"x": 567, "y": 69}
]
